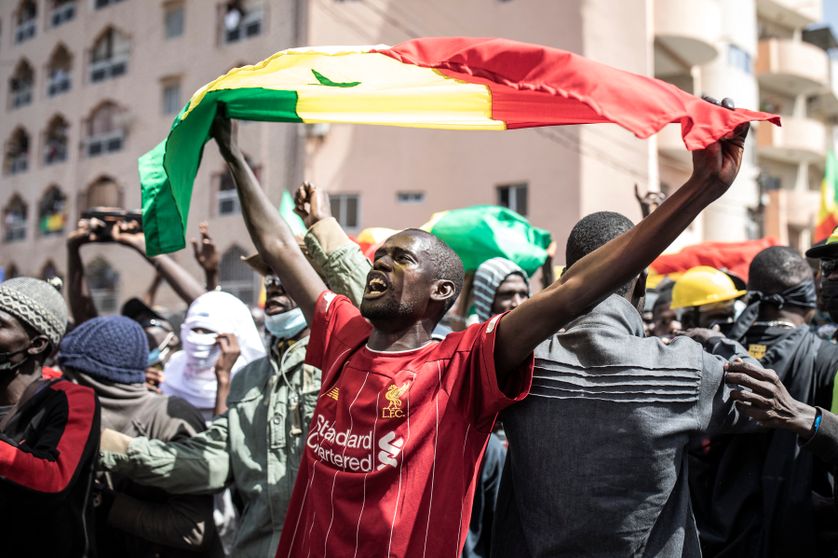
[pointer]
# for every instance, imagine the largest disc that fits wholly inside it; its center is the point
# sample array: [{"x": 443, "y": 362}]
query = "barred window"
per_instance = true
[
  {"x": 21, "y": 85},
  {"x": 103, "y": 281},
  {"x": 14, "y": 219},
  {"x": 16, "y": 156},
  {"x": 236, "y": 277}
]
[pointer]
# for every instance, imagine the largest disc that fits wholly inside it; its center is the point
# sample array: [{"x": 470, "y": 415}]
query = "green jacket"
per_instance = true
[{"x": 256, "y": 446}]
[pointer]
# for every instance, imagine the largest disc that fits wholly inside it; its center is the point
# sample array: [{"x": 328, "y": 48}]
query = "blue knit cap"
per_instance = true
[{"x": 112, "y": 348}]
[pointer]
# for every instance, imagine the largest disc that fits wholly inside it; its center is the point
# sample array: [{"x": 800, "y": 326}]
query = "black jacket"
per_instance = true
[
  {"x": 48, "y": 448},
  {"x": 758, "y": 495},
  {"x": 137, "y": 521}
]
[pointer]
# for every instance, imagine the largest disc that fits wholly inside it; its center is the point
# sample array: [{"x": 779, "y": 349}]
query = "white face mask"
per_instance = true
[
  {"x": 286, "y": 325},
  {"x": 200, "y": 348}
]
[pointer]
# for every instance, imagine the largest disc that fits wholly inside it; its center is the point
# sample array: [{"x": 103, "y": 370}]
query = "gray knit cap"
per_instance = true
[
  {"x": 488, "y": 277},
  {"x": 36, "y": 303}
]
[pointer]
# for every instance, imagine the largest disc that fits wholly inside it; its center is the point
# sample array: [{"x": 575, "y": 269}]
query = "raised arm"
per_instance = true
[
  {"x": 150, "y": 296},
  {"x": 78, "y": 293},
  {"x": 270, "y": 234},
  {"x": 207, "y": 257},
  {"x": 335, "y": 257},
  {"x": 186, "y": 287},
  {"x": 601, "y": 272}
]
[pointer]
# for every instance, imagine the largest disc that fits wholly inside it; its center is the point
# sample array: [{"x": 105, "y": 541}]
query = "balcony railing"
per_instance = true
[
  {"x": 19, "y": 163},
  {"x": 791, "y": 13},
  {"x": 59, "y": 83},
  {"x": 99, "y": 4},
  {"x": 25, "y": 30},
  {"x": 249, "y": 26},
  {"x": 792, "y": 67},
  {"x": 688, "y": 30},
  {"x": 109, "y": 68},
  {"x": 56, "y": 152},
  {"x": 799, "y": 140},
  {"x": 105, "y": 143},
  {"x": 228, "y": 202},
  {"x": 22, "y": 97},
  {"x": 62, "y": 14}
]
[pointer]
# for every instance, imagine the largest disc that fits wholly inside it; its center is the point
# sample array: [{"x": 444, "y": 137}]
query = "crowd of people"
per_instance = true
[{"x": 367, "y": 416}]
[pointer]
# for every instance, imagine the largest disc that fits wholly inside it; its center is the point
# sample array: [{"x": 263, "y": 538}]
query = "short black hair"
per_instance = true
[
  {"x": 777, "y": 269},
  {"x": 446, "y": 263},
  {"x": 593, "y": 231}
]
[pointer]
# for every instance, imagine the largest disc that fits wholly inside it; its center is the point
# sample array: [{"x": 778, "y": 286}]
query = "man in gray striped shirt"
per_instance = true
[{"x": 596, "y": 462}]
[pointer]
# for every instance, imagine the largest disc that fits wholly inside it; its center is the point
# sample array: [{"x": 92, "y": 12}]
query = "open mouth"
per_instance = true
[
  {"x": 377, "y": 284},
  {"x": 273, "y": 307}
]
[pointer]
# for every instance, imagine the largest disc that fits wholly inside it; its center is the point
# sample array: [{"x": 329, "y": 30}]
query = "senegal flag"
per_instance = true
[
  {"x": 828, "y": 213},
  {"x": 442, "y": 82}
]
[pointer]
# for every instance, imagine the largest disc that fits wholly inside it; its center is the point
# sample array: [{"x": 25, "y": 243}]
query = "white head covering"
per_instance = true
[{"x": 222, "y": 313}]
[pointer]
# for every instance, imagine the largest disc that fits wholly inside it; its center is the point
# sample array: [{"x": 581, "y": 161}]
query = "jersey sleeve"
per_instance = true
[
  {"x": 52, "y": 463},
  {"x": 479, "y": 392},
  {"x": 337, "y": 329},
  {"x": 199, "y": 464}
]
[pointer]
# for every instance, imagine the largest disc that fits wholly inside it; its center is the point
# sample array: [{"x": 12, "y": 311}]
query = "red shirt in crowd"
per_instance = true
[{"x": 394, "y": 446}]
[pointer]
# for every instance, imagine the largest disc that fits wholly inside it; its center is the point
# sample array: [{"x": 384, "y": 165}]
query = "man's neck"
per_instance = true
[
  {"x": 413, "y": 337},
  {"x": 11, "y": 392}
]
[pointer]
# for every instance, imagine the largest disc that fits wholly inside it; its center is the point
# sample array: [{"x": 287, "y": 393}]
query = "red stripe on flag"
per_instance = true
[
  {"x": 542, "y": 86},
  {"x": 825, "y": 227}
]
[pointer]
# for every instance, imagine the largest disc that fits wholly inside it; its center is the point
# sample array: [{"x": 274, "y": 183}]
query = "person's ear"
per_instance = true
[
  {"x": 39, "y": 346},
  {"x": 442, "y": 290},
  {"x": 640, "y": 286}
]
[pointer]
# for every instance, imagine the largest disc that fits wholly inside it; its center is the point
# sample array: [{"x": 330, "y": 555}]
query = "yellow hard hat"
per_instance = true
[{"x": 703, "y": 285}]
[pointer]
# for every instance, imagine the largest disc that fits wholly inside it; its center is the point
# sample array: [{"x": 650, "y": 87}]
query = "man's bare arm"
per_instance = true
[
  {"x": 601, "y": 272},
  {"x": 82, "y": 307},
  {"x": 270, "y": 234},
  {"x": 180, "y": 280}
]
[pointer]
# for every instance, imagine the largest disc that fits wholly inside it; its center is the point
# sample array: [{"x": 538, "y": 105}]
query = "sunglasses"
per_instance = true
[
  {"x": 165, "y": 326},
  {"x": 272, "y": 281}
]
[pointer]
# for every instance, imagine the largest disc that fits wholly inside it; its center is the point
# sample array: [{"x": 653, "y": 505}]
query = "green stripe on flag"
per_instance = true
[{"x": 167, "y": 181}]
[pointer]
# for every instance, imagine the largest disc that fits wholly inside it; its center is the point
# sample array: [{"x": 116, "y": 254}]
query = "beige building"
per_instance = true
[
  {"x": 89, "y": 85},
  {"x": 757, "y": 52},
  {"x": 86, "y": 86}
]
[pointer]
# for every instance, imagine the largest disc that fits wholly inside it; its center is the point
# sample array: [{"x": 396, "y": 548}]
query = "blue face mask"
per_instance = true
[
  {"x": 286, "y": 325},
  {"x": 160, "y": 354}
]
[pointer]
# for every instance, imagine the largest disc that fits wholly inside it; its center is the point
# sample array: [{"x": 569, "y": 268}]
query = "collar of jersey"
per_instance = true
[{"x": 404, "y": 352}]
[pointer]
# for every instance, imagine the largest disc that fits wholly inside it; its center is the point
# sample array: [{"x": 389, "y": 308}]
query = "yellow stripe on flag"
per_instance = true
[{"x": 373, "y": 89}]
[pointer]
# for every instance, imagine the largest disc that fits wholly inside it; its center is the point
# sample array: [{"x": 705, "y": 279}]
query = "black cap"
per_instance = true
[
  {"x": 826, "y": 248},
  {"x": 140, "y": 312}
]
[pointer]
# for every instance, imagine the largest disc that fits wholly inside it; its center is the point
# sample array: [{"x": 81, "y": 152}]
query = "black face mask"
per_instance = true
[
  {"x": 829, "y": 297},
  {"x": 6, "y": 364}
]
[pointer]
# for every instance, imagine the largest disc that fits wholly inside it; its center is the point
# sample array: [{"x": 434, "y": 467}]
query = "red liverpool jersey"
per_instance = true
[{"x": 395, "y": 442}]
